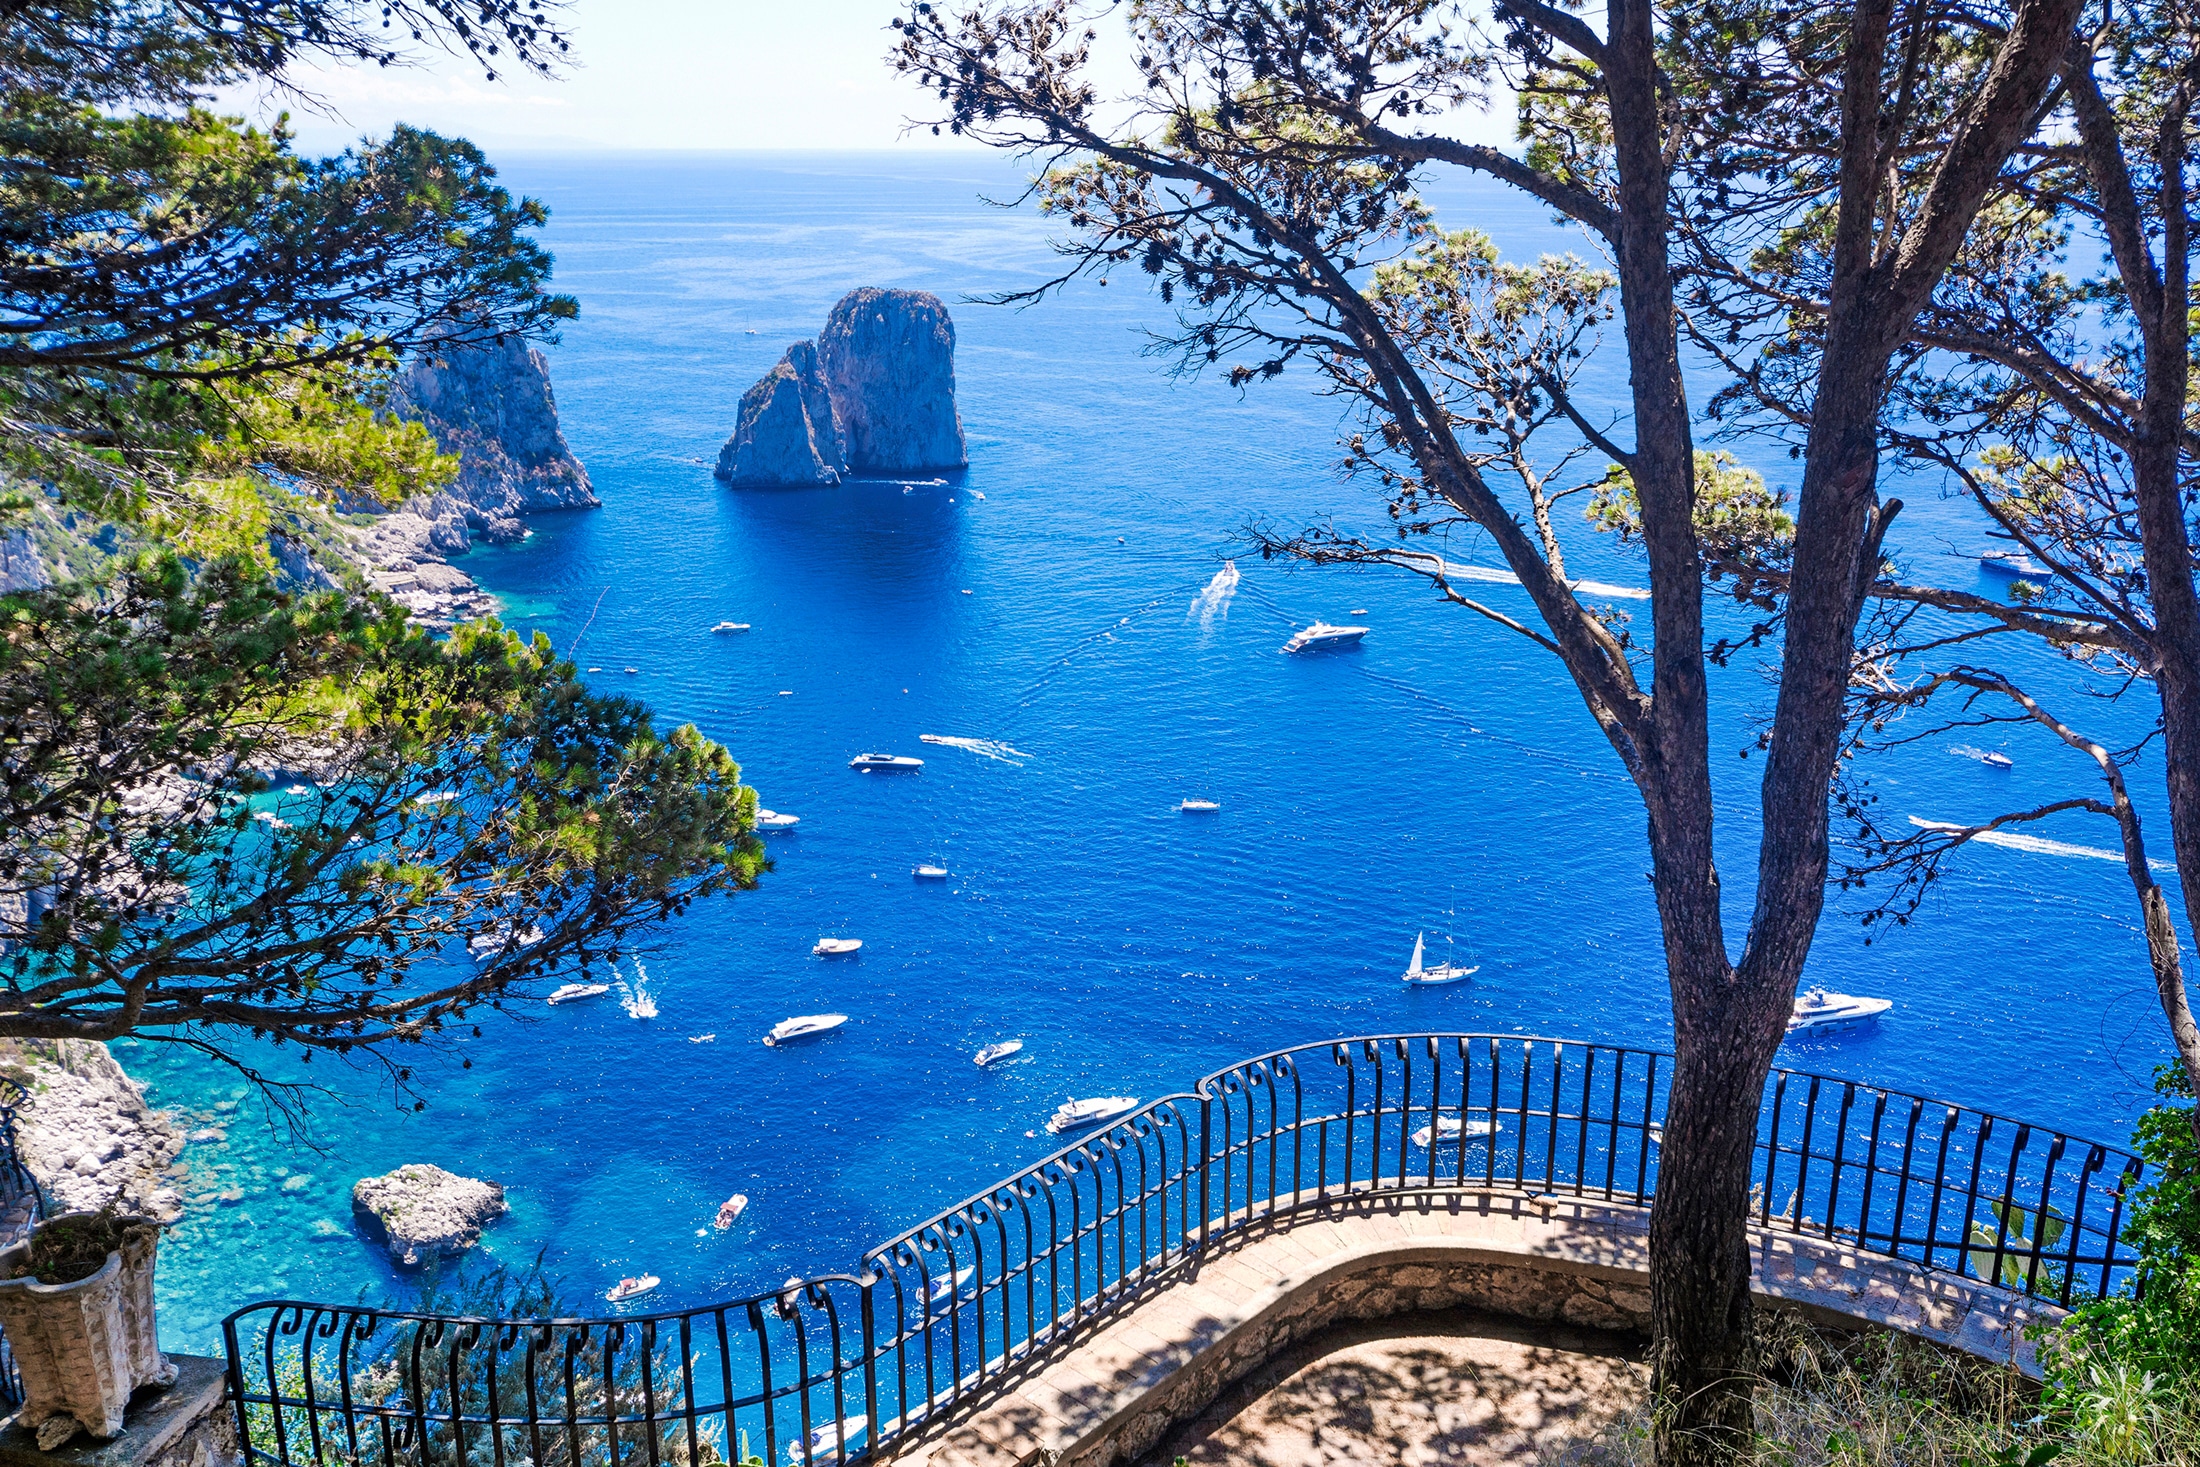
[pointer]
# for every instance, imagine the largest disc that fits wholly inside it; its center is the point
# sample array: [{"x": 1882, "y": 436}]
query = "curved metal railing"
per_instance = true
[{"x": 838, "y": 1368}]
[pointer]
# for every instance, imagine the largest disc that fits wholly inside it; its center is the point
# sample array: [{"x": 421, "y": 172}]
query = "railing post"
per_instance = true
[
  {"x": 870, "y": 1358},
  {"x": 1206, "y": 1163}
]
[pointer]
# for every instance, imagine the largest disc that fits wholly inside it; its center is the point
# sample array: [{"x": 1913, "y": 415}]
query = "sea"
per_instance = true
[{"x": 1067, "y": 610}]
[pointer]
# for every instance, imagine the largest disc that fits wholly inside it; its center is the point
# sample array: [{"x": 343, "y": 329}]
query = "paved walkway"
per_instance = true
[{"x": 1119, "y": 1392}]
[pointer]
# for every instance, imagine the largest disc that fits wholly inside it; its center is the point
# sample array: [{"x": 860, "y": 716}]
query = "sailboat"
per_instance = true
[{"x": 1442, "y": 973}]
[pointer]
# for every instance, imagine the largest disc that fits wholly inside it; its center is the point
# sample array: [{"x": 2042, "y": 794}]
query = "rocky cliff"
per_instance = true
[
  {"x": 874, "y": 395},
  {"x": 492, "y": 406},
  {"x": 85, "y": 1131}
]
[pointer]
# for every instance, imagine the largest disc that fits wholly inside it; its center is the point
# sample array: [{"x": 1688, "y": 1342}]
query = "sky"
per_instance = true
[{"x": 703, "y": 75}]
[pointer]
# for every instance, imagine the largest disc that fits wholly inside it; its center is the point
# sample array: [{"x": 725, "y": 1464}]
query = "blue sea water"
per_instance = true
[{"x": 1442, "y": 777}]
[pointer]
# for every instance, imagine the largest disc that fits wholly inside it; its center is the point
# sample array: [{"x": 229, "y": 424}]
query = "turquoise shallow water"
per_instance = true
[{"x": 1441, "y": 777}]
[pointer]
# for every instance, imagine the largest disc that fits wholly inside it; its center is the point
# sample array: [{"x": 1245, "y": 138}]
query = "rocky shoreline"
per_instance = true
[{"x": 86, "y": 1133}]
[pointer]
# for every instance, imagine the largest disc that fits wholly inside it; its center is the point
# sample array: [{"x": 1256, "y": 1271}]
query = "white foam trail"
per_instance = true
[
  {"x": 986, "y": 748},
  {"x": 1453, "y": 570},
  {"x": 2038, "y": 845},
  {"x": 635, "y": 997},
  {"x": 1214, "y": 599}
]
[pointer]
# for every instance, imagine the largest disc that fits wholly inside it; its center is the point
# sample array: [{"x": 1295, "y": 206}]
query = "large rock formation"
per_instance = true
[
  {"x": 420, "y": 1212},
  {"x": 85, "y": 1131},
  {"x": 874, "y": 395},
  {"x": 492, "y": 406}
]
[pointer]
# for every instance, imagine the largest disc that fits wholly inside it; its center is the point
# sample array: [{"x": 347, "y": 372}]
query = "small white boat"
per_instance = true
[
  {"x": 495, "y": 944},
  {"x": 769, "y": 822},
  {"x": 885, "y": 763},
  {"x": 729, "y": 1210},
  {"x": 1076, "y": 1115},
  {"x": 630, "y": 671},
  {"x": 832, "y": 1441},
  {"x": 731, "y": 626},
  {"x": 710, "y": 1038},
  {"x": 1451, "y": 1128},
  {"x": 2013, "y": 563},
  {"x": 1321, "y": 635},
  {"x": 633, "y": 1288},
  {"x": 442, "y": 797},
  {"x": 1441, "y": 973},
  {"x": 1996, "y": 759},
  {"x": 802, "y": 1026},
  {"x": 944, "y": 1288},
  {"x": 573, "y": 992},
  {"x": 835, "y": 947},
  {"x": 1817, "y": 1009},
  {"x": 930, "y": 873},
  {"x": 1199, "y": 807},
  {"x": 995, "y": 1053}
]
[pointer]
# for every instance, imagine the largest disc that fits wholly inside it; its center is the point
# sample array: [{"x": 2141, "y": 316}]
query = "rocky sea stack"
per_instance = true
[
  {"x": 492, "y": 406},
  {"x": 874, "y": 394},
  {"x": 421, "y": 1212}
]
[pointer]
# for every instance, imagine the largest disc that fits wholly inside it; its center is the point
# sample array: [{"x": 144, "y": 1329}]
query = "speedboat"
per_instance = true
[
  {"x": 630, "y": 671},
  {"x": 1322, "y": 635},
  {"x": 731, "y": 626},
  {"x": 835, "y": 947},
  {"x": 769, "y": 821},
  {"x": 1815, "y": 1009},
  {"x": 885, "y": 763},
  {"x": 1199, "y": 807},
  {"x": 496, "y": 943},
  {"x": 1441, "y": 973},
  {"x": 930, "y": 873},
  {"x": 995, "y": 1053},
  {"x": 633, "y": 1288},
  {"x": 1997, "y": 759},
  {"x": 832, "y": 1441},
  {"x": 572, "y": 992},
  {"x": 1075, "y": 1115},
  {"x": 730, "y": 1209},
  {"x": 802, "y": 1026},
  {"x": 1451, "y": 1128},
  {"x": 441, "y": 797},
  {"x": 2013, "y": 563},
  {"x": 946, "y": 1287}
]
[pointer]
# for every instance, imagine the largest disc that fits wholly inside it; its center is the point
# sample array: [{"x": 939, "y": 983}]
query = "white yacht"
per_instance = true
[
  {"x": 1995, "y": 758},
  {"x": 885, "y": 763},
  {"x": 993, "y": 1054},
  {"x": 632, "y": 1288},
  {"x": 1816, "y": 1009},
  {"x": 731, "y": 626},
  {"x": 1440, "y": 974},
  {"x": 802, "y": 1026},
  {"x": 1076, "y": 1115},
  {"x": 836, "y": 947},
  {"x": 2013, "y": 563},
  {"x": 1451, "y": 1128},
  {"x": 573, "y": 992},
  {"x": 1322, "y": 635},
  {"x": 771, "y": 822},
  {"x": 834, "y": 1441},
  {"x": 730, "y": 1210},
  {"x": 946, "y": 1287},
  {"x": 1199, "y": 807},
  {"x": 930, "y": 873},
  {"x": 498, "y": 941}
]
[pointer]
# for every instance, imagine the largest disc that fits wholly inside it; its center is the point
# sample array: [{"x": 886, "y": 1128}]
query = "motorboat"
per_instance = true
[
  {"x": 993, "y": 1054},
  {"x": 633, "y": 1288},
  {"x": 497, "y": 943},
  {"x": 729, "y": 1210},
  {"x": 946, "y": 1286},
  {"x": 835, "y": 947},
  {"x": 441, "y": 797},
  {"x": 1816, "y": 1009},
  {"x": 1995, "y": 758},
  {"x": 1440, "y": 974},
  {"x": 803, "y": 1026},
  {"x": 573, "y": 992},
  {"x": 1076, "y": 1115},
  {"x": 710, "y": 1038},
  {"x": 769, "y": 822},
  {"x": 886, "y": 763},
  {"x": 832, "y": 1441},
  {"x": 930, "y": 873},
  {"x": 1451, "y": 1128},
  {"x": 1321, "y": 636},
  {"x": 1199, "y": 807},
  {"x": 731, "y": 626},
  {"x": 2012, "y": 563},
  {"x": 630, "y": 671}
]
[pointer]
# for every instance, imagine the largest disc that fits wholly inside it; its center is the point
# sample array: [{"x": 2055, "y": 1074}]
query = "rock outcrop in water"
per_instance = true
[
  {"x": 874, "y": 395},
  {"x": 420, "y": 1212}
]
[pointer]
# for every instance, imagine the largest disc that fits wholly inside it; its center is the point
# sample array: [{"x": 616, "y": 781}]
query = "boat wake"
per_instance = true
[
  {"x": 984, "y": 748},
  {"x": 636, "y": 997},
  {"x": 2037, "y": 845},
  {"x": 1214, "y": 599}
]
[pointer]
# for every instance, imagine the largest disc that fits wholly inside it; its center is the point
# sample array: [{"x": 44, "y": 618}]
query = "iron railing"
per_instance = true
[
  {"x": 22, "y": 1204},
  {"x": 836, "y": 1369}
]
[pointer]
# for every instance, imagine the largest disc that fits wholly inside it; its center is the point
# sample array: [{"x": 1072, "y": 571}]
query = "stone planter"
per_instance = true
[{"x": 84, "y": 1348}]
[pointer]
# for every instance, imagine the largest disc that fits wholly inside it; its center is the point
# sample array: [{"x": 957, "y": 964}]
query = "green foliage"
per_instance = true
[
  {"x": 2014, "y": 1237},
  {"x": 1737, "y": 516}
]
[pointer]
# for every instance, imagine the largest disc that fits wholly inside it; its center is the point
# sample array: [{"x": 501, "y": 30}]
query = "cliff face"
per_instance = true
[
  {"x": 492, "y": 406},
  {"x": 86, "y": 1132},
  {"x": 874, "y": 395}
]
